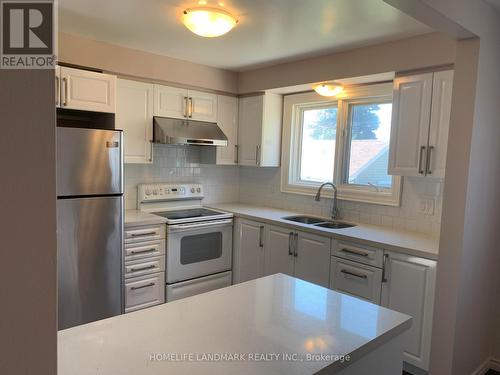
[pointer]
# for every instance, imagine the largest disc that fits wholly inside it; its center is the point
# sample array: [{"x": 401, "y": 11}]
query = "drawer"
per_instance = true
[
  {"x": 144, "y": 266},
  {"x": 356, "y": 279},
  {"x": 140, "y": 250},
  {"x": 359, "y": 253},
  {"x": 145, "y": 233},
  {"x": 199, "y": 285},
  {"x": 145, "y": 291}
]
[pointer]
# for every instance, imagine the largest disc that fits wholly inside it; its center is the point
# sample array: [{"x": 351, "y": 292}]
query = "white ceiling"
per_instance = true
[{"x": 269, "y": 31}]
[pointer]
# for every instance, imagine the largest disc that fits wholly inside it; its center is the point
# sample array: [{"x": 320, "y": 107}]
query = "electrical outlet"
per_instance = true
[{"x": 427, "y": 206}]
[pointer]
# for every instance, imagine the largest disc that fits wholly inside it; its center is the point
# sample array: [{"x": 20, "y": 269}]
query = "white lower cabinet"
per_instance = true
[
  {"x": 409, "y": 288},
  {"x": 145, "y": 291},
  {"x": 312, "y": 258},
  {"x": 248, "y": 250},
  {"x": 356, "y": 279}
]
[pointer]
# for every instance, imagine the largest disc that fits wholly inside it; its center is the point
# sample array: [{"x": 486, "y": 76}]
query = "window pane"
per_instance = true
[
  {"x": 369, "y": 148},
  {"x": 319, "y": 129}
]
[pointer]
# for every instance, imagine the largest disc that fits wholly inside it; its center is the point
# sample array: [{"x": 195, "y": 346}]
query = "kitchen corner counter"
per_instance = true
[
  {"x": 137, "y": 218},
  {"x": 411, "y": 243},
  {"x": 273, "y": 325}
]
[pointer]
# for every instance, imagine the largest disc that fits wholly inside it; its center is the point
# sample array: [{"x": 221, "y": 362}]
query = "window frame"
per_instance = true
[{"x": 294, "y": 106}]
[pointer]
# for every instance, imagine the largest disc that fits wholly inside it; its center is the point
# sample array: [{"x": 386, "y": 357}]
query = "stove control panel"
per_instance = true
[{"x": 166, "y": 192}]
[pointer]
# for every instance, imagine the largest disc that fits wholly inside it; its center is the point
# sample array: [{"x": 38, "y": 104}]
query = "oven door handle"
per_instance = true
[{"x": 202, "y": 224}]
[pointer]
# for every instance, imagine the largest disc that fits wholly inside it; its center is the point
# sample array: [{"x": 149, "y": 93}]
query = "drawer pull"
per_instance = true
[
  {"x": 134, "y": 252},
  {"x": 354, "y": 252},
  {"x": 142, "y": 268},
  {"x": 143, "y": 234},
  {"x": 354, "y": 274},
  {"x": 142, "y": 286}
]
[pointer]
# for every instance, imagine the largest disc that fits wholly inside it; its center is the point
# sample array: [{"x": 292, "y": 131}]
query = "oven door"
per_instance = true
[{"x": 198, "y": 249}]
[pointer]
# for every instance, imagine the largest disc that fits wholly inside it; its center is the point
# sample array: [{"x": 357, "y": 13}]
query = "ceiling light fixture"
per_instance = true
[
  {"x": 209, "y": 22},
  {"x": 327, "y": 89}
]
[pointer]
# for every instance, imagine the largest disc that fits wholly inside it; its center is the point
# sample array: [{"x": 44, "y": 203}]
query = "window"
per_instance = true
[{"x": 344, "y": 141}]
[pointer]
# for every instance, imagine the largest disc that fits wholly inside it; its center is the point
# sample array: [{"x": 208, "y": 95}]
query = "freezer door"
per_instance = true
[
  {"x": 89, "y": 162},
  {"x": 89, "y": 247}
]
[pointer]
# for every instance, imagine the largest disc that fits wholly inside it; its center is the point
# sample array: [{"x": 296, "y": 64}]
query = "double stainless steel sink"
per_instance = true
[{"x": 318, "y": 222}]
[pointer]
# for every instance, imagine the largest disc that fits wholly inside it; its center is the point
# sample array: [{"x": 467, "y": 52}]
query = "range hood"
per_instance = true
[{"x": 187, "y": 132}]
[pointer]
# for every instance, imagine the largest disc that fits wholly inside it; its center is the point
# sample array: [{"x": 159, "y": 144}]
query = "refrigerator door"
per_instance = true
[
  {"x": 89, "y": 162},
  {"x": 89, "y": 247}
]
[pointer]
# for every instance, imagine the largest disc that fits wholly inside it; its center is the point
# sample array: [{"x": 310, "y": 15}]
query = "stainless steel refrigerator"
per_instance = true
[{"x": 89, "y": 225}]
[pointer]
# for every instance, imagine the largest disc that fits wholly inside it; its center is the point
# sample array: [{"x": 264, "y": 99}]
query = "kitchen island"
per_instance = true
[{"x": 273, "y": 325}]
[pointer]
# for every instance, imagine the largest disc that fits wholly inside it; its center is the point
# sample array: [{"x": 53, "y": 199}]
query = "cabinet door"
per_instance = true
[
  {"x": 312, "y": 258},
  {"x": 203, "y": 106},
  {"x": 356, "y": 279},
  {"x": 411, "y": 111},
  {"x": 250, "y": 130},
  {"x": 227, "y": 119},
  {"x": 440, "y": 123},
  {"x": 410, "y": 289},
  {"x": 134, "y": 115},
  {"x": 170, "y": 101},
  {"x": 87, "y": 91},
  {"x": 248, "y": 259},
  {"x": 279, "y": 250}
]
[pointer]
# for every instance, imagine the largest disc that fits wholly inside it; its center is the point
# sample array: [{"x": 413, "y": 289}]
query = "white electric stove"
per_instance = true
[{"x": 199, "y": 239}]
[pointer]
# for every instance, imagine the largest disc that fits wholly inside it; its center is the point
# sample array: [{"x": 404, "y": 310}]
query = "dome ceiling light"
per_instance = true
[
  {"x": 328, "y": 89},
  {"x": 209, "y": 22}
]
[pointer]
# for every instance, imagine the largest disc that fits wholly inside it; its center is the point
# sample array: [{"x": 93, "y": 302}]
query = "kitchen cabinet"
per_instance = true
[
  {"x": 408, "y": 287},
  {"x": 227, "y": 119},
  {"x": 420, "y": 122},
  {"x": 134, "y": 115},
  {"x": 259, "y": 127},
  {"x": 248, "y": 251},
  {"x": 280, "y": 250},
  {"x": 85, "y": 90},
  {"x": 312, "y": 257},
  {"x": 182, "y": 103}
]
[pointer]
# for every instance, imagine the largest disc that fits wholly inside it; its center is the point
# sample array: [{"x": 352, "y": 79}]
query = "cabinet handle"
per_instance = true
[
  {"x": 151, "y": 150},
  {"x": 354, "y": 274},
  {"x": 296, "y": 245},
  {"x": 186, "y": 107},
  {"x": 142, "y": 268},
  {"x": 190, "y": 107},
  {"x": 384, "y": 266},
  {"x": 65, "y": 86},
  {"x": 152, "y": 250},
  {"x": 428, "y": 161},
  {"x": 257, "y": 154},
  {"x": 290, "y": 244},
  {"x": 420, "y": 170},
  {"x": 261, "y": 235},
  {"x": 142, "y": 286},
  {"x": 236, "y": 154},
  {"x": 142, "y": 234},
  {"x": 58, "y": 91},
  {"x": 354, "y": 252}
]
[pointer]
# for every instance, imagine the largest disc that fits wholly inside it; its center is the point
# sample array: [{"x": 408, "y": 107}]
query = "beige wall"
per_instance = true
[
  {"x": 27, "y": 222},
  {"x": 406, "y": 54},
  {"x": 466, "y": 314},
  {"x": 129, "y": 62}
]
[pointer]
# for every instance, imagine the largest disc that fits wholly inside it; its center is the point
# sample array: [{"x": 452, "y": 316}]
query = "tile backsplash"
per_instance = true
[
  {"x": 182, "y": 164},
  {"x": 261, "y": 186}
]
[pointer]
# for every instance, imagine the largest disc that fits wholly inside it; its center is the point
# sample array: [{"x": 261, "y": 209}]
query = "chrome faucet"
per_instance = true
[{"x": 335, "y": 210}]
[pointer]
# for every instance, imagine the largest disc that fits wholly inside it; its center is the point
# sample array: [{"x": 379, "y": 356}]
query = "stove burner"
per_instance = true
[{"x": 187, "y": 214}]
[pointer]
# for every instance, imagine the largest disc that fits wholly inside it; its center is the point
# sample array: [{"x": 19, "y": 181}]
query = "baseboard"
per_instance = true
[{"x": 489, "y": 364}]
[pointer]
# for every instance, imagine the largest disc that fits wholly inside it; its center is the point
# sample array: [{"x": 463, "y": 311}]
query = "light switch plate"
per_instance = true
[{"x": 427, "y": 205}]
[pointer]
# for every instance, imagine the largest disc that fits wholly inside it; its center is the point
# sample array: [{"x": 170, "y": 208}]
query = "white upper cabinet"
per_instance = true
[
  {"x": 202, "y": 106},
  {"x": 420, "y": 123},
  {"x": 259, "y": 127},
  {"x": 227, "y": 119},
  {"x": 408, "y": 287},
  {"x": 182, "y": 103},
  {"x": 170, "y": 101},
  {"x": 134, "y": 115},
  {"x": 87, "y": 91},
  {"x": 440, "y": 123}
]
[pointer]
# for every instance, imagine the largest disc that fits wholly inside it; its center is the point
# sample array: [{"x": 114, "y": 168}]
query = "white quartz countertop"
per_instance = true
[
  {"x": 136, "y": 218},
  {"x": 258, "y": 321},
  {"x": 411, "y": 243}
]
